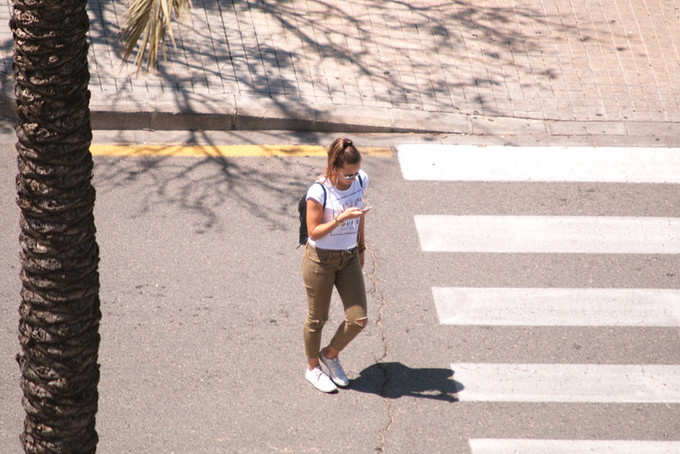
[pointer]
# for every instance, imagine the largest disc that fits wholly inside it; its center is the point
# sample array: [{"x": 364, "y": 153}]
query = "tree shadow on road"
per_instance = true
[
  {"x": 204, "y": 186},
  {"x": 395, "y": 380}
]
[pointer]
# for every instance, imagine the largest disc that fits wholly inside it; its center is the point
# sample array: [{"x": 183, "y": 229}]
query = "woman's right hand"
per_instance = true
[{"x": 350, "y": 213}]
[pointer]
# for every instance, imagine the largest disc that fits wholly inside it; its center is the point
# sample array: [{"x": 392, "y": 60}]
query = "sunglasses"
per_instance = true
[{"x": 350, "y": 177}]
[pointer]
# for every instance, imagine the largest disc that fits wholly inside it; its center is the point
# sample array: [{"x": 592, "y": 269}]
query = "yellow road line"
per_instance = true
[{"x": 226, "y": 151}]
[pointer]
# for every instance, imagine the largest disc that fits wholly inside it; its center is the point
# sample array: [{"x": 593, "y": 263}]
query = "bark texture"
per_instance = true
[{"x": 59, "y": 310}]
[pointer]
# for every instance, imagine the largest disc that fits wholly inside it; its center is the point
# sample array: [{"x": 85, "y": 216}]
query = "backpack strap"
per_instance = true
[
  {"x": 324, "y": 193},
  {"x": 361, "y": 183}
]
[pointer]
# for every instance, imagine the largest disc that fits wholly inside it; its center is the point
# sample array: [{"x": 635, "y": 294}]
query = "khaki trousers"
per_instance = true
[{"x": 322, "y": 270}]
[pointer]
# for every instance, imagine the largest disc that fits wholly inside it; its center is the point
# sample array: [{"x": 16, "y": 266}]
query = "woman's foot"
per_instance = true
[
  {"x": 335, "y": 370},
  {"x": 320, "y": 380}
]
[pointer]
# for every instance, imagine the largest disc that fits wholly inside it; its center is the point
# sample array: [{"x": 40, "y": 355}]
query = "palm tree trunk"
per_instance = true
[{"x": 60, "y": 314}]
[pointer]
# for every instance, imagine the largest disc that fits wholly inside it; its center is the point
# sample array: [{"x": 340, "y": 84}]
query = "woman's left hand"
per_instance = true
[{"x": 361, "y": 258}]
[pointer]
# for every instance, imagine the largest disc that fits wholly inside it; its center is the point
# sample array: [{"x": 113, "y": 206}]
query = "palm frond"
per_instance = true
[{"x": 151, "y": 22}]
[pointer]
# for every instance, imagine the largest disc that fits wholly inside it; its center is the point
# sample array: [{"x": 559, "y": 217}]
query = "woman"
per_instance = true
[{"x": 334, "y": 256}]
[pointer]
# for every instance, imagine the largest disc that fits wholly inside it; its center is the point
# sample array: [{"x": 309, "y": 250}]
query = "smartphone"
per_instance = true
[{"x": 367, "y": 209}]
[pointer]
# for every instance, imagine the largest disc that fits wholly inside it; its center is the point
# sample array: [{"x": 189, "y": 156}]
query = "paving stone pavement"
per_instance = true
[{"x": 561, "y": 66}]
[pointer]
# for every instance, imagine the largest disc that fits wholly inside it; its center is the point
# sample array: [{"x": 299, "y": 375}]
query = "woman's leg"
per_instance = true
[
  {"x": 350, "y": 284},
  {"x": 319, "y": 278}
]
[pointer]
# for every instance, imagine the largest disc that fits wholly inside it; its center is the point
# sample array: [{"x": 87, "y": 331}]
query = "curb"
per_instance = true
[
  {"x": 254, "y": 114},
  {"x": 268, "y": 114}
]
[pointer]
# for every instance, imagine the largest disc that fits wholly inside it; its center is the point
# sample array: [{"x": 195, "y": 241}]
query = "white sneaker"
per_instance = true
[
  {"x": 320, "y": 380},
  {"x": 335, "y": 370}
]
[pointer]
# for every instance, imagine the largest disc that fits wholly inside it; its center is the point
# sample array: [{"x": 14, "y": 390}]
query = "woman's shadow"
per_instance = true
[{"x": 394, "y": 380}]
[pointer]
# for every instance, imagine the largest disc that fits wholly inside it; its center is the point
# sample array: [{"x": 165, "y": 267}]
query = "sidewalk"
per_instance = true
[{"x": 558, "y": 67}]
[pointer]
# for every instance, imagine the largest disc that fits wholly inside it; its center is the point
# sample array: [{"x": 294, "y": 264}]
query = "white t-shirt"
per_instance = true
[{"x": 344, "y": 236}]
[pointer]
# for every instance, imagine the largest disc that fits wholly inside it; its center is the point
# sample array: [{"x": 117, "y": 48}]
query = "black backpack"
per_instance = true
[{"x": 302, "y": 210}]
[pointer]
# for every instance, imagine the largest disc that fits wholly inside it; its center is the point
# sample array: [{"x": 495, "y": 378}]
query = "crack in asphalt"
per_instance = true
[{"x": 378, "y": 295}]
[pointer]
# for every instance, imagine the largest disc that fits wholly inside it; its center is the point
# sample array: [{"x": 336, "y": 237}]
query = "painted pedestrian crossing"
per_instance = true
[
  {"x": 557, "y": 306},
  {"x": 583, "y": 307},
  {"x": 525, "y": 446},
  {"x": 584, "y": 383},
  {"x": 549, "y": 234},
  {"x": 563, "y": 164}
]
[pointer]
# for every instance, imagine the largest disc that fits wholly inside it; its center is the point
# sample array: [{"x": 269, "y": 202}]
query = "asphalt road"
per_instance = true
[{"x": 203, "y": 307}]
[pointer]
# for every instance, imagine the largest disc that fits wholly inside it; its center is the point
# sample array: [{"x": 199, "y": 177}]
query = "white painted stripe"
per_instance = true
[
  {"x": 557, "y": 306},
  {"x": 569, "y": 164},
  {"x": 599, "y": 383},
  {"x": 549, "y": 234},
  {"x": 528, "y": 446}
]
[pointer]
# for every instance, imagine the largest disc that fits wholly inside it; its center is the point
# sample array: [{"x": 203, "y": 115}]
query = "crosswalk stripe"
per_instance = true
[
  {"x": 558, "y": 164},
  {"x": 533, "y": 446},
  {"x": 584, "y": 383},
  {"x": 557, "y": 306},
  {"x": 549, "y": 234}
]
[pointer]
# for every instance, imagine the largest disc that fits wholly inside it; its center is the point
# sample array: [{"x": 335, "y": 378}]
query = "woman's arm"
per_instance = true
[{"x": 316, "y": 229}]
